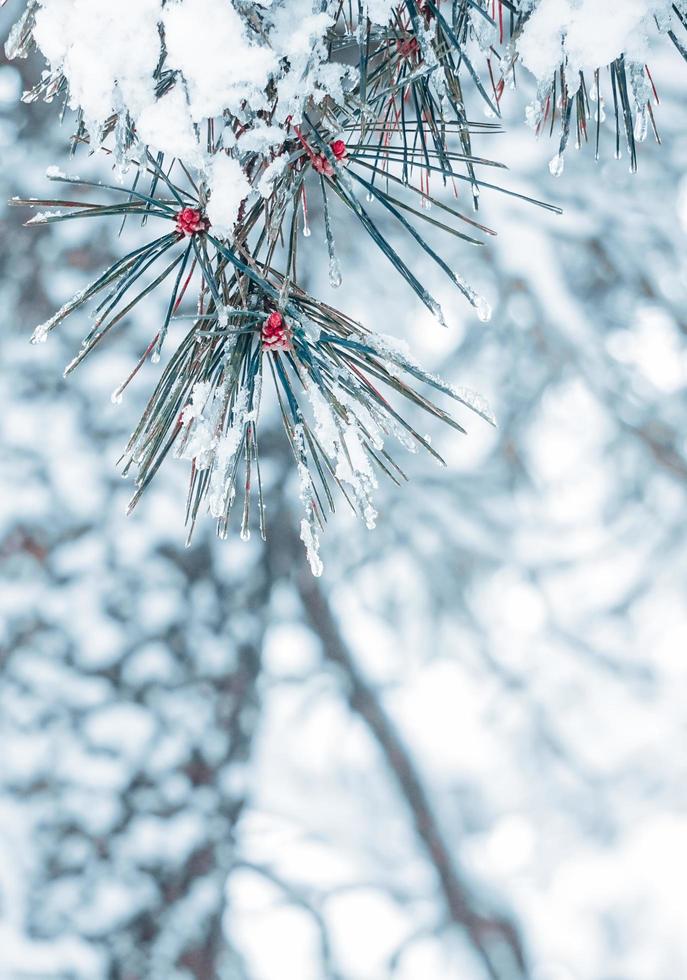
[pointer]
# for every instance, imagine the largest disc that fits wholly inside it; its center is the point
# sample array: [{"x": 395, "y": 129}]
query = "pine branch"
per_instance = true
[{"x": 368, "y": 119}]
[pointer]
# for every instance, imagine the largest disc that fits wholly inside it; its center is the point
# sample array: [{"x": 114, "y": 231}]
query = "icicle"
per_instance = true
[
  {"x": 19, "y": 39},
  {"x": 284, "y": 293},
  {"x": 312, "y": 547},
  {"x": 306, "y": 226},
  {"x": 483, "y": 309},
  {"x": 40, "y": 334},
  {"x": 335, "y": 277},
  {"x": 557, "y": 165},
  {"x": 435, "y": 308},
  {"x": 276, "y": 216},
  {"x": 641, "y": 125},
  {"x": 480, "y": 304},
  {"x": 641, "y": 92},
  {"x": 309, "y": 535}
]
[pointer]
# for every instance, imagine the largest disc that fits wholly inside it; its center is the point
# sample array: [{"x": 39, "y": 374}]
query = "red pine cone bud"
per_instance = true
[
  {"x": 276, "y": 334},
  {"x": 191, "y": 222},
  {"x": 322, "y": 164}
]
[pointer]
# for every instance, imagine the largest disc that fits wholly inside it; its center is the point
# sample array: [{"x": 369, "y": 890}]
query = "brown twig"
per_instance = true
[{"x": 495, "y": 938}]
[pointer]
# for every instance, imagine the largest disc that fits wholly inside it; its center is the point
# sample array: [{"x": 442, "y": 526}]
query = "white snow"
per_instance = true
[
  {"x": 231, "y": 63},
  {"x": 229, "y": 187},
  {"x": 271, "y": 173},
  {"x": 586, "y": 34},
  {"x": 167, "y": 125},
  {"x": 107, "y": 51},
  {"x": 207, "y": 42}
]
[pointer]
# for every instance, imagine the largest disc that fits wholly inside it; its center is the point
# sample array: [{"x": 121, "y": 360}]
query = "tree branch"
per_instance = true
[{"x": 495, "y": 938}]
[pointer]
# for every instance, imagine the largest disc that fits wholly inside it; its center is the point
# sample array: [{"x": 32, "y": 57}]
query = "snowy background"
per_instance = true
[{"x": 194, "y": 778}]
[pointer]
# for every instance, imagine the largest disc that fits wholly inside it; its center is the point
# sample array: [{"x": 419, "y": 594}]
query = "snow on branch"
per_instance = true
[{"x": 240, "y": 123}]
